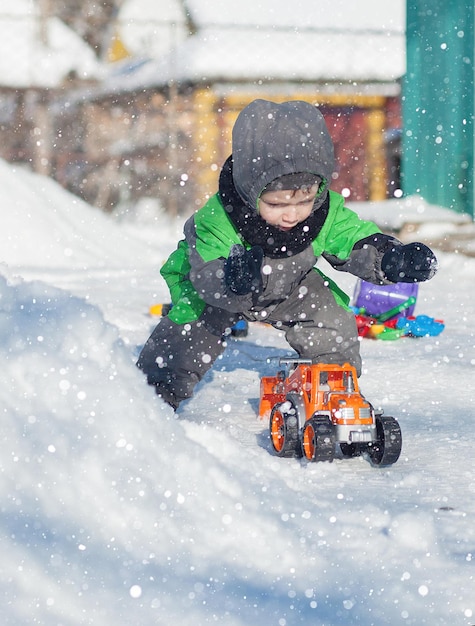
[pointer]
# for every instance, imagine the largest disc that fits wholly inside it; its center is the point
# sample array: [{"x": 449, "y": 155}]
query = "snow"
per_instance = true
[
  {"x": 26, "y": 61},
  {"x": 304, "y": 40},
  {"x": 117, "y": 511},
  {"x": 345, "y": 14},
  {"x": 224, "y": 54},
  {"x": 145, "y": 26},
  {"x": 395, "y": 213},
  {"x": 325, "y": 14}
]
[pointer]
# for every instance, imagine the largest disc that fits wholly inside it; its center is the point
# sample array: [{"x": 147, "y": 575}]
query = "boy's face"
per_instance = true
[{"x": 287, "y": 208}]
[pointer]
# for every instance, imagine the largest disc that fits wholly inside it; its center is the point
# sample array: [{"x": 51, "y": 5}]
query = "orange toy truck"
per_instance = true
[{"x": 313, "y": 407}]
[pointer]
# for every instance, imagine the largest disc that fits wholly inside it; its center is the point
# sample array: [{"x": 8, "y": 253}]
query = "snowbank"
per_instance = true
[{"x": 43, "y": 225}]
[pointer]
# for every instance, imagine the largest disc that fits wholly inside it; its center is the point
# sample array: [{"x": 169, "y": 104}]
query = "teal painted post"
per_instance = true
[{"x": 438, "y": 103}]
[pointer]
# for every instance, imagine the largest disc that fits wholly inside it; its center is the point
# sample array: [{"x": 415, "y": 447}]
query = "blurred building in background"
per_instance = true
[
  {"x": 152, "y": 115},
  {"x": 40, "y": 56}
]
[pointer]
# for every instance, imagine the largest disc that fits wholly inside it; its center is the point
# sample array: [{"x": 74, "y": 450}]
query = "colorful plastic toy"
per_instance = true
[
  {"x": 375, "y": 321},
  {"x": 420, "y": 326},
  {"x": 313, "y": 407},
  {"x": 240, "y": 329},
  {"x": 378, "y": 300}
]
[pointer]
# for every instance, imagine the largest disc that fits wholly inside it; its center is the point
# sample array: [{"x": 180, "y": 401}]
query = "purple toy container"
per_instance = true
[{"x": 377, "y": 299}]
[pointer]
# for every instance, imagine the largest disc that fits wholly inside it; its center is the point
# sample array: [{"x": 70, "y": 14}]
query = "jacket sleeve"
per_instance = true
[
  {"x": 351, "y": 244},
  {"x": 365, "y": 258}
]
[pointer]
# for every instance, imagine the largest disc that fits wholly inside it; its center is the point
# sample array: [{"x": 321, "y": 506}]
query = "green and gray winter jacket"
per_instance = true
[{"x": 269, "y": 141}]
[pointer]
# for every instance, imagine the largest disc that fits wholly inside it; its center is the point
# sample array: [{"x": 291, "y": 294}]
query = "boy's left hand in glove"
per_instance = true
[
  {"x": 411, "y": 263},
  {"x": 242, "y": 269}
]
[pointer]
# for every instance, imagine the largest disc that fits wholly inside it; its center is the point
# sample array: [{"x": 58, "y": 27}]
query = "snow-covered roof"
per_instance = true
[
  {"x": 322, "y": 40},
  {"x": 362, "y": 15},
  {"x": 148, "y": 27},
  {"x": 33, "y": 54},
  {"x": 217, "y": 54}
]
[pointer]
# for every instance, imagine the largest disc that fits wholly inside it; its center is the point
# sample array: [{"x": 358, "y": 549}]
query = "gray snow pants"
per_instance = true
[{"x": 176, "y": 357}]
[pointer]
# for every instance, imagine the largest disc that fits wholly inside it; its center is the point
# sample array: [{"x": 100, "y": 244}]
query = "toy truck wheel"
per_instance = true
[
  {"x": 387, "y": 448},
  {"x": 284, "y": 431},
  {"x": 318, "y": 441}
]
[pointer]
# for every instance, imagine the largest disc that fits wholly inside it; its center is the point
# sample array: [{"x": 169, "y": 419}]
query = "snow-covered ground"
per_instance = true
[{"x": 116, "y": 511}]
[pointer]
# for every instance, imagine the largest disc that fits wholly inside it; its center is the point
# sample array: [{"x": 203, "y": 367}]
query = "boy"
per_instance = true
[{"x": 250, "y": 253}]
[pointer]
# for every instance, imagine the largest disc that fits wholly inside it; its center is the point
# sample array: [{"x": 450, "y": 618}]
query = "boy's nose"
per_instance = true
[{"x": 290, "y": 214}]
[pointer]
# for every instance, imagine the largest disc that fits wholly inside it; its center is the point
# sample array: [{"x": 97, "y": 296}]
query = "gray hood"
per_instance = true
[{"x": 270, "y": 140}]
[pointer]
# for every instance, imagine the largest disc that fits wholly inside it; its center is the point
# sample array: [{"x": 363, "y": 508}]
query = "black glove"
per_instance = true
[
  {"x": 242, "y": 269},
  {"x": 412, "y": 263}
]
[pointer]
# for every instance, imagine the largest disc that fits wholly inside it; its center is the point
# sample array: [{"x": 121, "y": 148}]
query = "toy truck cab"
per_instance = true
[{"x": 314, "y": 406}]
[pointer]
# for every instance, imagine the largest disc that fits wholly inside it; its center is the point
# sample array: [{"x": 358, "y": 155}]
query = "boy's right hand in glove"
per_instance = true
[{"x": 242, "y": 270}]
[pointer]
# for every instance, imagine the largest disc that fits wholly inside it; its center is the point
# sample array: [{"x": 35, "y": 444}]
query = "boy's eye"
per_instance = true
[{"x": 279, "y": 205}]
